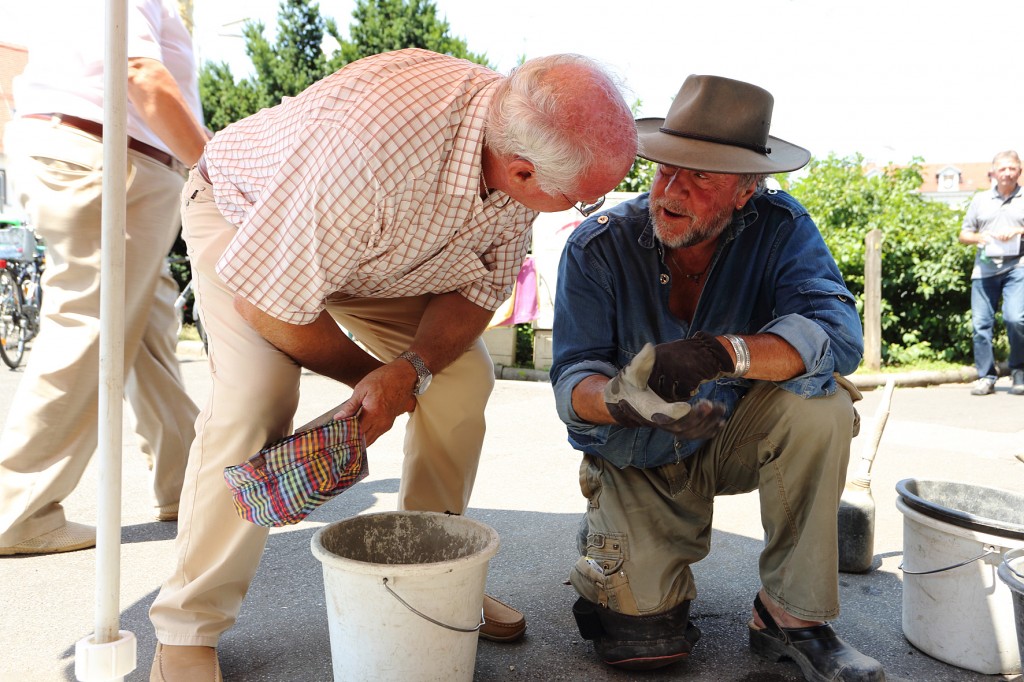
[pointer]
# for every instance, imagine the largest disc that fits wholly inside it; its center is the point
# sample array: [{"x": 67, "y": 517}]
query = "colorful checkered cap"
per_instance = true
[{"x": 288, "y": 479}]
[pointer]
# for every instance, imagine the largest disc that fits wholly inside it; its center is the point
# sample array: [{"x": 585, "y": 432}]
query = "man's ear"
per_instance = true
[
  {"x": 744, "y": 196},
  {"x": 521, "y": 172}
]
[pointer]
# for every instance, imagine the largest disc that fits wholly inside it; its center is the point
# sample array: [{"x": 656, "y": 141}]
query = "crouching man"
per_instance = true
[{"x": 700, "y": 335}]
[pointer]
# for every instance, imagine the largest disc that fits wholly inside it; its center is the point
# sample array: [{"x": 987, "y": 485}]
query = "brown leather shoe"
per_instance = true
[
  {"x": 502, "y": 623},
  {"x": 185, "y": 664}
]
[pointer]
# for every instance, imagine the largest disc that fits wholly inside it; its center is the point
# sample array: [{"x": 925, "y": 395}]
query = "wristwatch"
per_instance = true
[{"x": 423, "y": 375}]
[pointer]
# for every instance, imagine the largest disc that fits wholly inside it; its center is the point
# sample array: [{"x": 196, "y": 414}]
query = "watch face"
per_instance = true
[{"x": 422, "y": 384}]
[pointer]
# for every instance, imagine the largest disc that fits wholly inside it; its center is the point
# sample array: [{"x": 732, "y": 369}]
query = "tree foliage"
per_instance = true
[
  {"x": 385, "y": 25},
  {"x": 296, "y": 59},
  {"x": 925, "y": 270}
]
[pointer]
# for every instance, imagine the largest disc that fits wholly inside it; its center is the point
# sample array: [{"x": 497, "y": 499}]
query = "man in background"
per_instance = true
[
  {"x": 994, "y": 224},
  {"x": 56, "y": 162}
]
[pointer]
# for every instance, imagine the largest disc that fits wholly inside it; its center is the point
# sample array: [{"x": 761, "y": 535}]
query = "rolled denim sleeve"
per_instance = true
[
  {"x": 582, "y": 287},
  {"x": 584, "y": 432},
  {"x": 815, "y": 349}
]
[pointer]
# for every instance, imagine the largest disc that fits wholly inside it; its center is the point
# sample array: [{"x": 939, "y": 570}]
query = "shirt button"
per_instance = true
[
  {"x": 663, "y": 279},
  {"x": 602, "y": 219}
]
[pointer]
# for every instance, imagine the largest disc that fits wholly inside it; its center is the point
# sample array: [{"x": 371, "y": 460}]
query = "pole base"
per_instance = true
[{"x": 105, "y": 662}]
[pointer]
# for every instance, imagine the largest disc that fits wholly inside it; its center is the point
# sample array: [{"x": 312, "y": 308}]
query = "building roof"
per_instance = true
[{"x": 973, "y": 175}]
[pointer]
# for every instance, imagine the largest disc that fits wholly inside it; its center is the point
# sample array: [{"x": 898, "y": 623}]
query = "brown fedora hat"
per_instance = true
[{"x": 719, "y": 125}]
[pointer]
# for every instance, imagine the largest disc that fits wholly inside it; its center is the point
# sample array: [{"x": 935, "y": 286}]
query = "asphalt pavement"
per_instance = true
[{"x": 527, "y": 490}]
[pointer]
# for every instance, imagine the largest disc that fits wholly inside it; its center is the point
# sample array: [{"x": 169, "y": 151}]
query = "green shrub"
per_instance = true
[{"x": 926, "y": 289}]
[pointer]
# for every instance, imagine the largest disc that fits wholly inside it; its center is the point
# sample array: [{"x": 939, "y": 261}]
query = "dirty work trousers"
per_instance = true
[{"x": 644, "y": 528}]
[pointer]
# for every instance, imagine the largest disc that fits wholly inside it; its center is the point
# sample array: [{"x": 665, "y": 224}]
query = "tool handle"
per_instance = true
[{"x": 881, "y": 417}]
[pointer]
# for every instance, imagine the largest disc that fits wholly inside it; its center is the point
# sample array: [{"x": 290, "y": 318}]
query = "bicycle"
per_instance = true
[
  {"x": 187, "y": 299},
  {"x": 22, "y": 261}
]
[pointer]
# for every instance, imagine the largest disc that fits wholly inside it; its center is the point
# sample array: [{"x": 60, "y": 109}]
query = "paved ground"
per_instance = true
[{"x": 527, "y": 491}]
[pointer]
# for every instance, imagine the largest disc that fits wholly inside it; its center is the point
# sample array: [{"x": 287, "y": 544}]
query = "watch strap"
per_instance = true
[{"x": 422, "y": 371}]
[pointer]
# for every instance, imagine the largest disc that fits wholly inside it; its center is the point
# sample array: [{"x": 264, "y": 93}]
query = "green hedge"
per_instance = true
[{"x": 926, "y": 290}]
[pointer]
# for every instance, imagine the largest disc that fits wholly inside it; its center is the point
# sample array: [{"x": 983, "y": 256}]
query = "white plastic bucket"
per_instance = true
[
  {"x": 404, "y": 594},
  {"x": 1011, "y": 572},
  {"x": 955, "y": 608}
]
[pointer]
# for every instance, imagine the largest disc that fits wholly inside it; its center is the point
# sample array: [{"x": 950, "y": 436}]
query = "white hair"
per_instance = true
[{"x": 561, "y": 125}]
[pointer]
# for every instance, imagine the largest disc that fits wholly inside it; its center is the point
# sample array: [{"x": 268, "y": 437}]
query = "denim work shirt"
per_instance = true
[{"x": 771, "y": 273}]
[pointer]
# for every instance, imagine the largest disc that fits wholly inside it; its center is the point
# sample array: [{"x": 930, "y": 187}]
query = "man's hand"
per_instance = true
[
  {"x": 632, "y": 403},
  {"x": 1001, "y": 234},
  {"x": 681, "y": 366},
  {"x": 382, "y": 395}
]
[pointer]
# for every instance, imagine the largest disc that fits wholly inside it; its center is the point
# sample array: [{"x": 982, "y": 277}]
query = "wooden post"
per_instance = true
[{"x": 873, "y": 300}]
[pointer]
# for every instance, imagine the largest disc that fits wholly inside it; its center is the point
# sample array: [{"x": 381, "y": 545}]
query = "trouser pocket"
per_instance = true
[{"x": 599, "y": 575}]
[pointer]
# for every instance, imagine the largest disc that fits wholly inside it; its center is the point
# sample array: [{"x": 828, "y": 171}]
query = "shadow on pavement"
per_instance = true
[{"x": 282, "y": 631}]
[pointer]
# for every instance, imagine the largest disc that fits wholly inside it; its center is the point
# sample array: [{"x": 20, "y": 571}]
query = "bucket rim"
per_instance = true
[
  {"x": 1016, "y": 558},
  {"x": 328, "y": 558},
  {"x": 958, "y": 517},
  {"x": 1013, "y": 575}
]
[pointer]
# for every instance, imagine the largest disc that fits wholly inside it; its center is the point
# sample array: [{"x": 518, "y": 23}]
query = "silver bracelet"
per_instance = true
[{"x": 739, "y": 346}]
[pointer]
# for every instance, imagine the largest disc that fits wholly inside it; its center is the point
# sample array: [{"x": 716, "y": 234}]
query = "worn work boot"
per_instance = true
[
  {"x": 185, "y": 664},
  {"x": 637, "y": 642},
  {"x": 819, "y": 652}
]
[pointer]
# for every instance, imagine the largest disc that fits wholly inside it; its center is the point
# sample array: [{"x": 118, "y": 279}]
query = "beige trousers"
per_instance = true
[
  {"x": 646, "y": 527},
  {"x": 254, "y": 395},
  {"x": 51, "y": 429}
]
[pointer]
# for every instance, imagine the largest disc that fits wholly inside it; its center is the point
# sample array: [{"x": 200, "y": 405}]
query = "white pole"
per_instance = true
[{"x": 110, "y": 653}]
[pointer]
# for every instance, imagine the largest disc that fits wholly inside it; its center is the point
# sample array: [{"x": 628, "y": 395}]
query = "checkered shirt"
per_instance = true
[{"x": 366, "y": 184}]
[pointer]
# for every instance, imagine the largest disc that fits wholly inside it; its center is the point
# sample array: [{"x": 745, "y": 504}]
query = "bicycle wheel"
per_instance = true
[{"x": 12, "y": 329}]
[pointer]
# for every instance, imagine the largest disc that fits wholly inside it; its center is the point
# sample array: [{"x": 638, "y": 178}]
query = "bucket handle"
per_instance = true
[
  {"x": 989, "y": 549},
  {"x": 426, "y": 617}
]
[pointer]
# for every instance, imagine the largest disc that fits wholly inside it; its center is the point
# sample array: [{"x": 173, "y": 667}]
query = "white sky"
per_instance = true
[{"x": 890, "y": 79}]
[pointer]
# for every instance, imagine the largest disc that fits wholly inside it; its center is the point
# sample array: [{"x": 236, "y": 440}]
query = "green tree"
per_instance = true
[
  {"x": 296, "y": 59},
  {"x": 385, "y": 25},
  {"x": 925, "y": 271},
  {"x": 225, "y": 101}
]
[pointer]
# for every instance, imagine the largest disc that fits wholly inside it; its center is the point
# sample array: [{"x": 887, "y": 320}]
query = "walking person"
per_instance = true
[
  {"x": 55, "y": 146},
  {"x": 994, "y": 224}
]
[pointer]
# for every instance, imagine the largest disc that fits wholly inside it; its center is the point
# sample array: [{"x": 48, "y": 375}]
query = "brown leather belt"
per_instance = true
[{"x": 96, "y": 129}]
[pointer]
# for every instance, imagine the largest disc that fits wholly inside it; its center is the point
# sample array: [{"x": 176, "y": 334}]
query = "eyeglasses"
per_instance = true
[{"x": 584, "y": 208}]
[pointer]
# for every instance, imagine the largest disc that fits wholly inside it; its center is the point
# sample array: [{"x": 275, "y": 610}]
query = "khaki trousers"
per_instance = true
[
  {"x": 255, "y": 392},
  {"x": 51, "y": 429},
  {"x": 646, "y": 527}
]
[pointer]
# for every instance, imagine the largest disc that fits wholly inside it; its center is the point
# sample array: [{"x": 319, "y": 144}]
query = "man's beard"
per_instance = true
[{"x": 698, "y": 230}]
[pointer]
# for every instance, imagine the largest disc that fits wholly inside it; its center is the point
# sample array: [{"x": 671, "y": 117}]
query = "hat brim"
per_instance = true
[{"x": 715, "y": 157}]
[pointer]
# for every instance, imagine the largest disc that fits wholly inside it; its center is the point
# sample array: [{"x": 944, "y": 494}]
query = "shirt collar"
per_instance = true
[
  {"x": 997, "y": 195},
  {"x": 461, "y": 174}
]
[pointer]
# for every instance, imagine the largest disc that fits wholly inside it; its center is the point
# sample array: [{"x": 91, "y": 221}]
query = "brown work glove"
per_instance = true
[
  {"x": 681, "y": 366},
  {"x": 632, "y": 403}
]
